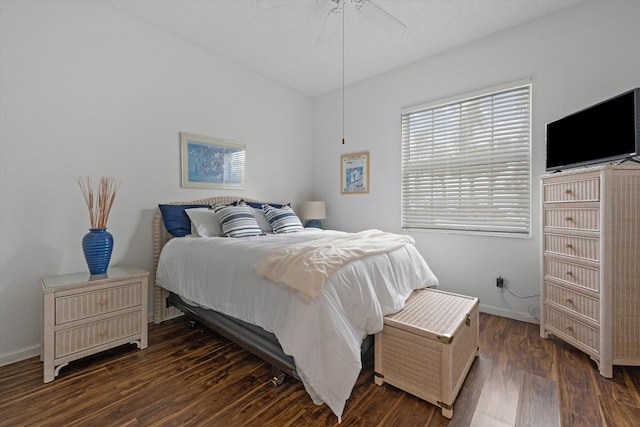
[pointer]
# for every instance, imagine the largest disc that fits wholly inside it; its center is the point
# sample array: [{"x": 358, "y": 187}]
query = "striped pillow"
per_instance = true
[
  {"x": 237, "y": 220},
  {"x": 282, "y": 220}
]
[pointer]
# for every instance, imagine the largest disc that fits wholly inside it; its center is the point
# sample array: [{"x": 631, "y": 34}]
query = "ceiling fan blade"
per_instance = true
[
  {"x": 380, "y": 17},
  {"x": 269, "y": 4},
  {"x": 330, "y": 27}
]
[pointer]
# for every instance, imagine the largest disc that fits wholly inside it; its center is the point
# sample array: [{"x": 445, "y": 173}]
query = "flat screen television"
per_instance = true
[{"x": 605, "y": 132}]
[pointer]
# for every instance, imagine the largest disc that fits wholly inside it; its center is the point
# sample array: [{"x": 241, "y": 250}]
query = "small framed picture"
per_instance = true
[
  {"x": 354, "y": 170},
  {"x": 211, "y": 162}
]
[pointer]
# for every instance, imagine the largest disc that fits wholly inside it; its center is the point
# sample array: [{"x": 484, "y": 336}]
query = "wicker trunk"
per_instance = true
[{"x": 427, "y": 348}]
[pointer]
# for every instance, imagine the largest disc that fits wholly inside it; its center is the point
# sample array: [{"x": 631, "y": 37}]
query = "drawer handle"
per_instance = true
[
  {"x": 567, "y": 191},
  {"x": 102, "y": 333},
  {"x": 568, "y": 301},
  {"x": 569, "y": 246},
  {"x": 569, "y": 273},
  {"x": 568, "y": 328},
  {"x": 568, "y": 218},
  {"x": 103, "y": 301}
]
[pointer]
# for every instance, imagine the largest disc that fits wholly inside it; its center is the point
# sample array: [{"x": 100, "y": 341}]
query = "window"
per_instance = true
[{"x": 466, "y": 163}]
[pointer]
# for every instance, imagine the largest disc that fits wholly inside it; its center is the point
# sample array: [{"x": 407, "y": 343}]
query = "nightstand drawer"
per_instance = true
[
  {"x": 73, "y": 340},
  {"x": 83, "y": 305},
  {"x": 583, "y": 190},
  {"x": 573, "y": 219},
  {"x": 580, "y": 275},
  {"x": 578, "y": 303},
  {"x": 573, "y": 246}
]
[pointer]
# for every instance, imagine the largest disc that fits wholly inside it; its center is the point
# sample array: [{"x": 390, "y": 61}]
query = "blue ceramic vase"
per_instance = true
[{"x": 97, "y": 245}]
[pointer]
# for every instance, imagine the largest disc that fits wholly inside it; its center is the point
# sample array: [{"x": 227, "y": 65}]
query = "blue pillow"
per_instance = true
[
  {"x": 259, "y": 205},
  {"x": 176, "y": 220}
]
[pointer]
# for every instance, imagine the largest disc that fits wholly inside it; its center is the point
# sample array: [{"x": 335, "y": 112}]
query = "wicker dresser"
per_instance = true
[
  {"x": 84, "y": 314},
  {"x": 591, "y": 262},
  {"x": 427, "y": 348}
]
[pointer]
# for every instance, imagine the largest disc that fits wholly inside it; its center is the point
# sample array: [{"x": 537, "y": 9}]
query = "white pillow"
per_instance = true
[
  {"x": 262, "y": 220},
  {"x": 204, "y": 222}
]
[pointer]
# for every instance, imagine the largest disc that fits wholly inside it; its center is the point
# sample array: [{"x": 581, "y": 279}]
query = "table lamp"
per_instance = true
[{"x": 313, "y": 212}]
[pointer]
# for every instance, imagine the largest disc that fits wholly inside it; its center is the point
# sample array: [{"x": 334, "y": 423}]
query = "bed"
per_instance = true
[{"x": 318, "y": 339}]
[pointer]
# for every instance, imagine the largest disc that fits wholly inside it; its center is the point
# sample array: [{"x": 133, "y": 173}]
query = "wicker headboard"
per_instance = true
[{"x": 160, "y": 237}]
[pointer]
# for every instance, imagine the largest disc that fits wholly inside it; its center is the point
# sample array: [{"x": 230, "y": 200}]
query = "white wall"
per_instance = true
[
  {"x": 88, "y": 90},
  {"x": 575, "y": 58}
]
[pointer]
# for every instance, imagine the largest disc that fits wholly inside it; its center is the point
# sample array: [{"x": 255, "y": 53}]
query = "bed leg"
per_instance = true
[
  {"x": 191, "y": 324},
  {"x": 278, "y": 376}
]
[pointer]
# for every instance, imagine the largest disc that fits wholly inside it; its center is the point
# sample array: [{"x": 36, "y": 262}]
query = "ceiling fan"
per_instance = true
[{"x": 333, "y": 20}]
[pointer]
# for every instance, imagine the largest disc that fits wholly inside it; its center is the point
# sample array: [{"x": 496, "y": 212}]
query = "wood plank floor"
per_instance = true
[{"x": 195, "y": 377}]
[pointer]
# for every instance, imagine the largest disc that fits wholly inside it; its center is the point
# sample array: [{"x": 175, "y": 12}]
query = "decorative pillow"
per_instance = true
[
  {"x": 204, "y": 222},
  {"x": 259, "y": 205},
  {"x": 282, "y": 220},
  {"x": 176, "y": 220},
  {"x": 262, "y": 220},
  {"x": 237, "y": 220}
]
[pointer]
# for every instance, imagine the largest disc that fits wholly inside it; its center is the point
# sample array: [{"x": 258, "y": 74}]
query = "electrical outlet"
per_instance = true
[{"x": 500, "y": 282}]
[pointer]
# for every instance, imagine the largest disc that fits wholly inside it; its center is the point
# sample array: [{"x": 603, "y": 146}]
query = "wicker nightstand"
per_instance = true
[{"x": 84, "y": 314}]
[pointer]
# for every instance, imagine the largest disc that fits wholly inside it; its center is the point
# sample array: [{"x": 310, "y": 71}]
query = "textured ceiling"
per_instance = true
[{"x": 280, "y": 42}]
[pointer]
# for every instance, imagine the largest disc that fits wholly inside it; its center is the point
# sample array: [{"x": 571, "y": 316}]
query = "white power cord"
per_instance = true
[{"x": 533, "y": 309}]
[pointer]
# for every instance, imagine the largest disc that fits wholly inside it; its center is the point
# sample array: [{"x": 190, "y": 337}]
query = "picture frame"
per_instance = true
[
  {"x": 208, "y": 162},
  {"x": 354, "y": 173}
]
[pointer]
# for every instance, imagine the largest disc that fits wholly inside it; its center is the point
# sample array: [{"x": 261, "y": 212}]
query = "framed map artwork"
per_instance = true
[{"x": 211, "y": 162}]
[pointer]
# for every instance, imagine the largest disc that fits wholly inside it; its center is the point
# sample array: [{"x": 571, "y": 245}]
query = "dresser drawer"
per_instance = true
[
  {"x": 573, "y": 219},
  {"x": 567, "y": 327},
  {"x": 73, "y": 340},
  {"x": 87, "y": 304},
  {"x": 578, "y": 303},
  {"x": 581, "y": 190},
  {"x": 573, "y": 246},
  {"x": 579, "y": 275}
]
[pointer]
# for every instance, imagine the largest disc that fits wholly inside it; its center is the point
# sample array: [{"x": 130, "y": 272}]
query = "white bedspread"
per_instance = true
[
  {"x": 323, "y": 336},
  {"x": 304, "y": 267}
]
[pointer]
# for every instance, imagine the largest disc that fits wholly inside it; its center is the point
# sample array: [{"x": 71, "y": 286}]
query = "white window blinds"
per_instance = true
[{"x": 466, "y": 164}]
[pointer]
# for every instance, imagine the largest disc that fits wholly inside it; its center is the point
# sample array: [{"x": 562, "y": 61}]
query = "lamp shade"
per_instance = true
[{"x": 313, "y": 210}]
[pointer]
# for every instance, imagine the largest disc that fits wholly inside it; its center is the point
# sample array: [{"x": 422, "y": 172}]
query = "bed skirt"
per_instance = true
[{"x": 252, "y": 338}]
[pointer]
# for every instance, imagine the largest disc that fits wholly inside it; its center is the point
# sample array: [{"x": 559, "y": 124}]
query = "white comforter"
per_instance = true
[
  {"x": 304, "y": 267},
  {"x": 323, "y": 336}
]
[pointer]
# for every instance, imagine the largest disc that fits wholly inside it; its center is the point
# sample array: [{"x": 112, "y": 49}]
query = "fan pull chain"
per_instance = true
[{"x": 343, "y": 12}]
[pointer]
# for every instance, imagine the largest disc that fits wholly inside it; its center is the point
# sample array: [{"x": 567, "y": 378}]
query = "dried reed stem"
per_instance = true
[{"x": 99, "y": 204}]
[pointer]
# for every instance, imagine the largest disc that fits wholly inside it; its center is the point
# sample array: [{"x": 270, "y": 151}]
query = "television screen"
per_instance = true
[{"x": 604, "y": 132}]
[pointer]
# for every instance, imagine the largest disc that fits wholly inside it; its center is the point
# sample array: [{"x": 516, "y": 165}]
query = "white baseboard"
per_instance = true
[
  {"x": 524, "y": 317},
  {"x": 26, "y": 353}
]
